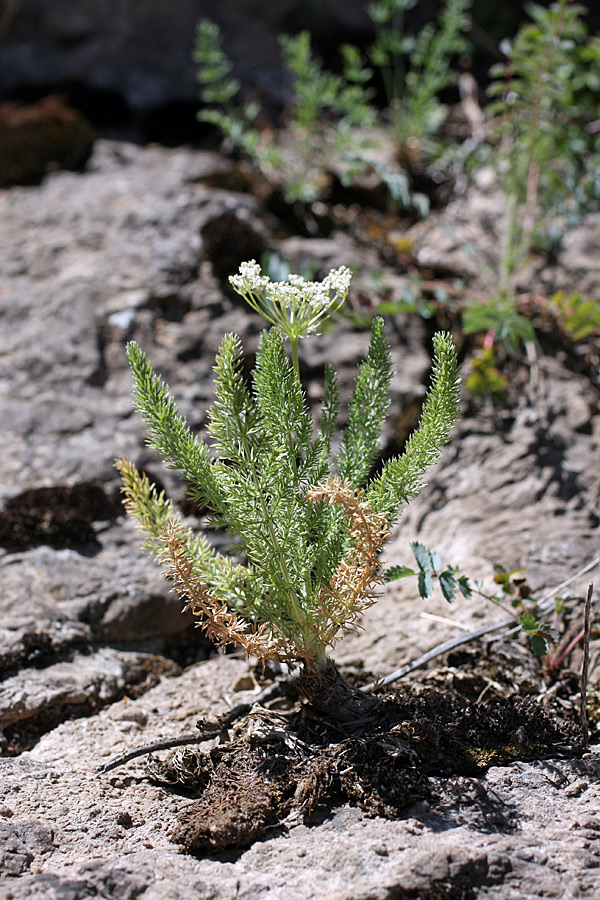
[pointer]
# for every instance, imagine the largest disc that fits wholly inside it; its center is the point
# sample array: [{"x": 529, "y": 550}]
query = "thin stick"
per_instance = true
[
  {"x": 431, "y": 654},
  {"x": 585, "y": 731},
  {"x": 142, "y": 749},
  {"x": 206, "y": 731},
  {"x": 444, "y": 620},
  {"x": 549, "y": 595}
]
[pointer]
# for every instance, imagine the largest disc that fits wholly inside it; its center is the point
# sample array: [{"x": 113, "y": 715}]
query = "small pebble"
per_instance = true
[
  {"x": 124, "y": 819},
  {"x": 134, "y": 715},
  {"x": 575, "y": 789}
]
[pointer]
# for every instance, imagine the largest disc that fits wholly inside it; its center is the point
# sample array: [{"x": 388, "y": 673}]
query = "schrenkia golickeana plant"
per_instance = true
[{"x": 308, "y": 532}]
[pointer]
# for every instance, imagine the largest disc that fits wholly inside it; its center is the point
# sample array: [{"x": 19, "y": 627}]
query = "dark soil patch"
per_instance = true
[
  {"x": 59, "y": 516},
  {"x": 228, "y": 241},
  {"x": 38, "y": 649},
  {"x": 278, "y": 769}
]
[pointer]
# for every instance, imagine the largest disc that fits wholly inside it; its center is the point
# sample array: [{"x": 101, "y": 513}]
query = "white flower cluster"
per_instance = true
[
  {"x": 250, "y": 279},
  {"x": 296, "y": 306}
]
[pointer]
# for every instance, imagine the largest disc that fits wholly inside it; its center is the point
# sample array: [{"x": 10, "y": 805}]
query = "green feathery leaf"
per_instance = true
[
  {"x": 169, "y": 433},
  {"x": 367, "y": 410},
  {"x": 402, "y": 477},
  {"x": 282, "y": 403}
]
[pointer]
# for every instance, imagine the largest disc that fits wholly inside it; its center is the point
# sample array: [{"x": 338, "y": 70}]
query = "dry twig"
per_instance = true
[
  {"x": 584, "y": 669},
  {"x": 206, "y": 731}
]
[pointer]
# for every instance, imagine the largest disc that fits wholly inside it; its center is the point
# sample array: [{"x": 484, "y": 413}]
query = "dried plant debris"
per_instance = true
[{"x": 280, "y": 769}]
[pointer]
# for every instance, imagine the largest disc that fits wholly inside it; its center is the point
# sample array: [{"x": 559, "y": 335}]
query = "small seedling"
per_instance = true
[
  {"x": 452, "y": 581},
  {"x": 577, "y": 316}
]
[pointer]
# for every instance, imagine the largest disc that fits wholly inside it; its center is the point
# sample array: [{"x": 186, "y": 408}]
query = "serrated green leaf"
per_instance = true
[
  {"x": 528, "y": 623},
  {"x": 436, "y": 562},
  {"x": 425, "y": 583},
  {"x": 464, "y": 587},
  {"x": 448, "y": 585},
  {"x": 394, "y": 573},
  {"x": 422, "y": 555}
]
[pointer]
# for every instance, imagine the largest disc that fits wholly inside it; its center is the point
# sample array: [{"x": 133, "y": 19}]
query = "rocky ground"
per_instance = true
[{"x": 95, "y": 655}]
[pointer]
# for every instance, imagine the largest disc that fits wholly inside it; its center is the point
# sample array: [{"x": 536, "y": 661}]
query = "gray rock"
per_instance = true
[
  {"x": 34, "y": 700},
  {"x": 20, "y": 843},
  {"x": 522, "y": 830},
  {"x": 465, "y": 240}
]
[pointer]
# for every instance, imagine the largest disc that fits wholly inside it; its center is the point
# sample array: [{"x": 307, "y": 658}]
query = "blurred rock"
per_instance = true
[
  {"x": 39, "y": 138},
  {"x": 142, "y": 51}
]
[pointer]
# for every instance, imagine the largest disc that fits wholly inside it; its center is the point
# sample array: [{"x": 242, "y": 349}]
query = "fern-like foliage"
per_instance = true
[
  {"x": 415, "y": 70},
  {"x": 367, "y": 411},
  {"x": 219, "y": 90},
  {"x": 401, "y": 478},
  {"x": 307, "y": 539},
  {"x": 549, "y": 149}
]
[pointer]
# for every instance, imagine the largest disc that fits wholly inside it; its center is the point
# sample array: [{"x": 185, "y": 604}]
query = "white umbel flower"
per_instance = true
[{"x": 296, "y": 306}]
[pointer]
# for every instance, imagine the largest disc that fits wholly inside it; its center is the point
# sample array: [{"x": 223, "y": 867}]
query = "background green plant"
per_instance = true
[
  {"x": 416, "y": 69},
  {"x": 577, "y": 316},
  {"x": 329, "y": 115},
  {"x": 219, "y": 91},
  {"x": 332, "y": 122},
  {"x": 544, "y": 140},
  {"x": 547, "y": 152}
]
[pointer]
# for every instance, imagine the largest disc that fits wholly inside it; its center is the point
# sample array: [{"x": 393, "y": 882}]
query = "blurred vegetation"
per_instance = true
[{"x": 538, "y": 131}]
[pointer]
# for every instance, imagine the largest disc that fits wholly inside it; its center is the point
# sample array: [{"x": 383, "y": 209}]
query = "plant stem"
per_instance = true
[
  {"x": 508, "y": 243},
  {"x": 325, "y": 689},
  {"x": 398, "y": 61},
  {"x": 584, "y": 670},
  {"x": 497, "y": 602},
  {"x": 294, "y": 343},
  {"x": 521, "y": 176}
]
